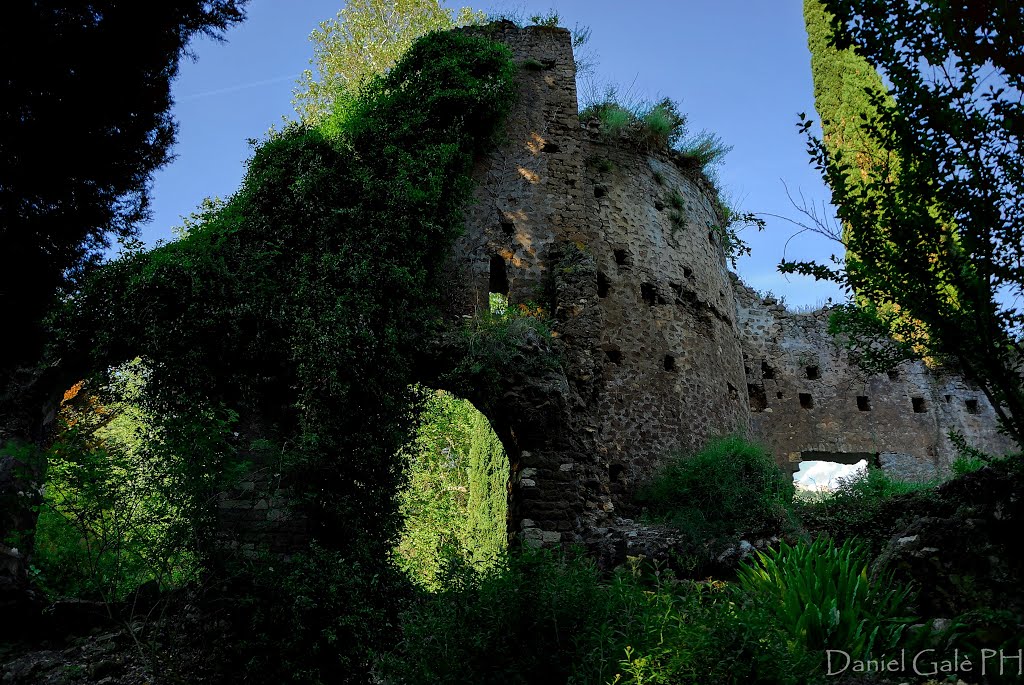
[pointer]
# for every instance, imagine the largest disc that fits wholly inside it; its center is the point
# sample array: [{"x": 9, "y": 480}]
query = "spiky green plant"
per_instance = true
[{"x": 822, "y": 595}]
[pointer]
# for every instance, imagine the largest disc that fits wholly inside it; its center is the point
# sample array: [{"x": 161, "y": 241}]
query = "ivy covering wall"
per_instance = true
[{"x": 294, "y": 309}]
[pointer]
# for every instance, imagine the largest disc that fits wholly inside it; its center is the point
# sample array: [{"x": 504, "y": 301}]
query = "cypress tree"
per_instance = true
[
  {"x": 844, "y": 83},
  {"x": 486, "y": 530},
  {"x": 850, "y": 99}
]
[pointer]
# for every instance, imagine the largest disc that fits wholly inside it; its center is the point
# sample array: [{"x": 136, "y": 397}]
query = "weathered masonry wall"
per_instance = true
[
  {"x": 637, "y": 284},
  {"x": 809, "y": 402},
  {"x": 659, "y": 346},
  {"x": 671, "y": 373}
]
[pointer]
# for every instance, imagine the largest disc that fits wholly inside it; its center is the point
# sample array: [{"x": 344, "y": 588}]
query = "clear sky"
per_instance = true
[{"x": 739, "y": 68}]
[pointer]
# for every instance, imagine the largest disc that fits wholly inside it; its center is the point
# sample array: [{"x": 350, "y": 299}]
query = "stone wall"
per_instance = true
[
  {"x": 638, "y": 288},
  {"x": 659, "y": 346},
  {"x": 257, "y": 515},
  {"x": 808, "y": 401}
]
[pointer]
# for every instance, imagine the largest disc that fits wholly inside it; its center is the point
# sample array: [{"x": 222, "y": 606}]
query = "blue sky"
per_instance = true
[{"x": 738, "y": 68}]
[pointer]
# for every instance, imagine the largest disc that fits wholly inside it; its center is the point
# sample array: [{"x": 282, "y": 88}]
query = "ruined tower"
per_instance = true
[
  {"x": 622, "y": 246},
  {"x": 660, "y": 347}
]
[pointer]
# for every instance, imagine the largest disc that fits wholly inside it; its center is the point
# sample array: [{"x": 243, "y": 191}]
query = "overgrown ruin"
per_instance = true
[{"x": 661, "y": 346}]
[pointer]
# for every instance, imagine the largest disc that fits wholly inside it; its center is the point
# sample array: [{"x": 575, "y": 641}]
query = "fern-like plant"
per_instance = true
[{"x": 822, "y": 595}]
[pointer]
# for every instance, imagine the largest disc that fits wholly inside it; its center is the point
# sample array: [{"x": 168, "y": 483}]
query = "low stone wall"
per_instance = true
[{"x": 257, "y": 516}]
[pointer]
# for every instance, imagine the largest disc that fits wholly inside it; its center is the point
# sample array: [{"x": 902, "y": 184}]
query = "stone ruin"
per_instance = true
[{"x": 661, "y": 346}]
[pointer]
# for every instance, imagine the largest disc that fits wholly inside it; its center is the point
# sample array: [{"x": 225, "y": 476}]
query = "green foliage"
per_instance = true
[
  {"x": 676, "y": 200},
  {"x": 455, "y": 504},
  {"x": 58, "y": 220},
  {"x": 823, "y": 597},
  {"x": 302, "y": 301},
  {"x": 704, "y": 149},
  {"x": 366, "y": 39},
  {"x": 933, "y": 221},
  {"x": 433, "y": 503},
  {"x": 963, "y": 465},
  {"x": 997, "y": 629},
  {"x": 487, "y": 509},
  {"x": 678, "y": 213},
  {"x": 503, "y": 341},
  {"x": 315, "y": 618},
  {"x": 122, "y": 506},
  {"x": 968, "y": 458},
  {"x": 868, "y": 506},
  {"x": 729, "y": 488},
  {"x": 728, "y": 231},
  {"x": 553, "y": 619},
  {"x": 654, "y": 126},
  {"x": 551, "y": 19},
  {"x": 662, "y": 125},
  {"x": 602, "y": 164},
  {"x": 845, "y": 84}
]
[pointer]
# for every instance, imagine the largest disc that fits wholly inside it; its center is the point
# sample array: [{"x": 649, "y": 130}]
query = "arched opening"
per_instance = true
[{"x": 455, "y": 505}]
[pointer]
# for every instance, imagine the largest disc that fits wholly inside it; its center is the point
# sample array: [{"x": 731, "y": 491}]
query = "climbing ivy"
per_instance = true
[{"x": 301, "y": 301}]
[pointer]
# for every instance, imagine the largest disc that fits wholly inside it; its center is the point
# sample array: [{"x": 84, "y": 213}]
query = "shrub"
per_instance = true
[
  {"x": 968, "y": 458},
  {"x": 120, "y": 505},
  {"x": 517, "y": 622},
  {"x": 869, "y": 506},
  {"x": 822, "y": 596},
  {"x": 546, "y": 618},
  {"x": 318, "y": 617},
  {"x": 729, "y": 488}
]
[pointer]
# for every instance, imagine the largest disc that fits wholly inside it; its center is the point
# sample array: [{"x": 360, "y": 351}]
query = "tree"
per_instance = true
[
  {"x": 939, "y": 244},
  {"x": 366, "y": 38},
  {"x": 86, "y": 121},
  {"x": 845, "y": 87}
]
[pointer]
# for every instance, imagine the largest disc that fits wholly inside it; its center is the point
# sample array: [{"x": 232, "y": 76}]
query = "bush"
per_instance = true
[
  {"x": 822, "y": 596},
  {"x": 869, "y": 506},
  {"x": 544, "y": 618},
  {"x": 729, "y": 488},
  {"x": 319, "y": 617},
  {"x": 120, "y": 504}
]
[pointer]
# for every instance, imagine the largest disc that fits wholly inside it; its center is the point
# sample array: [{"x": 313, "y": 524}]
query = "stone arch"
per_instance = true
[{"x": 457, "y": 490}]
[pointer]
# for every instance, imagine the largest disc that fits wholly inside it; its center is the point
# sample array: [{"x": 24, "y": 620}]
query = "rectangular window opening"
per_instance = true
[
  {"x": 920, "y": 406},
  {"x": 648, "y": 293},
  {"x": 757, "y": 397},
  {"x": 863, "y": 403},
  {"x": 806, "y": 401},
  {"x": 972, "y": 406}
]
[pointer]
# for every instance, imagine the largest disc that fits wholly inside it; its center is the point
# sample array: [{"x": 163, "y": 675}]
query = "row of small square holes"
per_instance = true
[{"x": 864, "y": 403}]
